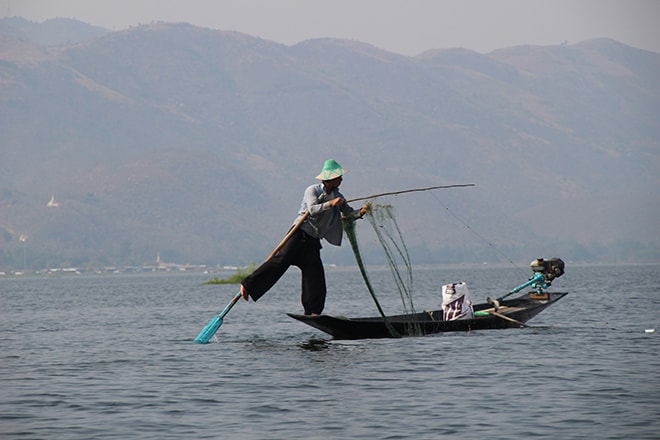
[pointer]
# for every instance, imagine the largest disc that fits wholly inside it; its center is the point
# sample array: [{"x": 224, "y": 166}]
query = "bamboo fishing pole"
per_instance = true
[
  {"x": 373, "y": 196},
  {"x": 394, "y": 193}
]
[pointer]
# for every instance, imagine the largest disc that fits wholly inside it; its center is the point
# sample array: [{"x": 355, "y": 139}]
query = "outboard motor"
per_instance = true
[
  {"x": 545, "y": 271},
  {"x": 550, "y": 269}
]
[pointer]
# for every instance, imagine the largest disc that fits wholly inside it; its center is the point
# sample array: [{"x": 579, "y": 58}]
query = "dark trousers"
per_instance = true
[{"x": 304, "y": 252}]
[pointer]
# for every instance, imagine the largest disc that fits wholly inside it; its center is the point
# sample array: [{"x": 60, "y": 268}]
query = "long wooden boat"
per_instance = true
[{"x": 505, "y": 313}]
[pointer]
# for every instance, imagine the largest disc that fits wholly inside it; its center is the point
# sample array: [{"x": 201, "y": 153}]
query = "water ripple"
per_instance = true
[{"x": 112, "y": 357}]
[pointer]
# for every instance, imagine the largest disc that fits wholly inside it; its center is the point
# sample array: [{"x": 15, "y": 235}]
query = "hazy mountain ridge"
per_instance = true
[
  {"x": 197, "y": 144},
  {"x": 53, "y": 32}
]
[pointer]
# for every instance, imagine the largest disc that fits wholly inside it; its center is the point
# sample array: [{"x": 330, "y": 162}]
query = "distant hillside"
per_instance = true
[
  {"x": 54, "y": 32},
  {"x": 197, "y": 144}
]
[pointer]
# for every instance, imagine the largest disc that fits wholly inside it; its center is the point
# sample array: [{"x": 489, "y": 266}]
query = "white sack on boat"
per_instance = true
[{"x": 456, "y": 303}]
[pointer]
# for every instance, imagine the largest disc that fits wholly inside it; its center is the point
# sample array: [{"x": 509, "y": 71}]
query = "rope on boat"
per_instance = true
[{"x": 479, "y": 236}]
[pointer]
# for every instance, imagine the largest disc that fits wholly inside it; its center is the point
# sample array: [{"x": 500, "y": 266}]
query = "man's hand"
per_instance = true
[{"x": 339, "y": 201}]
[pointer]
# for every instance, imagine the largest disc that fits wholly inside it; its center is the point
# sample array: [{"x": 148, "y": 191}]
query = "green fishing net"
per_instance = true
[{"x": 382, "y": 219}]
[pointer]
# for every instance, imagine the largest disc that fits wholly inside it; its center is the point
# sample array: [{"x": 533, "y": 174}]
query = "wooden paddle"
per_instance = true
[
  {"x": 288, "y": 235},
  {"x": 506, "y": 318},
  {"x": 496, "y": 305},
  {"x": 212, "y": 327}
]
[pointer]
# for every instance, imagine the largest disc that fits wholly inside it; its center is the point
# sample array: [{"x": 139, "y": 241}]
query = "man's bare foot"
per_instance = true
[{"x": 244, "y": 293}]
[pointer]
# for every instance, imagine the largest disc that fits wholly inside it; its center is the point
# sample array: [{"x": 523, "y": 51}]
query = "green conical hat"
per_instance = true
[{"x": 331, "y": 170}]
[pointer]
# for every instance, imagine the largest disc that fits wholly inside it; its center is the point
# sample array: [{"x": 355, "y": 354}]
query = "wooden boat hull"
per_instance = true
[{"x": 511, "y": 313}]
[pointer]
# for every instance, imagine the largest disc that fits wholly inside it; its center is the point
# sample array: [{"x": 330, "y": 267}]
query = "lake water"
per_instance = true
[{"x": 100, "y": 357}]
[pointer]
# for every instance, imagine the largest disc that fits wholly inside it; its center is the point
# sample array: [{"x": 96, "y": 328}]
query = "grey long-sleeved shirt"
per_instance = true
[{"x": 324, "y": 220}]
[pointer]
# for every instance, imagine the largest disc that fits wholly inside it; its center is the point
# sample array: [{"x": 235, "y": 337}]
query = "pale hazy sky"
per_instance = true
[{"x": 407, "y": 27}]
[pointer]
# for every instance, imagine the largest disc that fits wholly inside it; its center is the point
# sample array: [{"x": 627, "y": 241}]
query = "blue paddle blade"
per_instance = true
[{"x": 207, "y": 332}]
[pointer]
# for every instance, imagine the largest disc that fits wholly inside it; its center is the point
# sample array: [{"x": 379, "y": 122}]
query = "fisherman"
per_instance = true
[{"x": 326, "y": 205}]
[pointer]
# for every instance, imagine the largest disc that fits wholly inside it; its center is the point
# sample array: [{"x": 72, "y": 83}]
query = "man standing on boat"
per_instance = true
[{"x": 325, "y": 205}]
